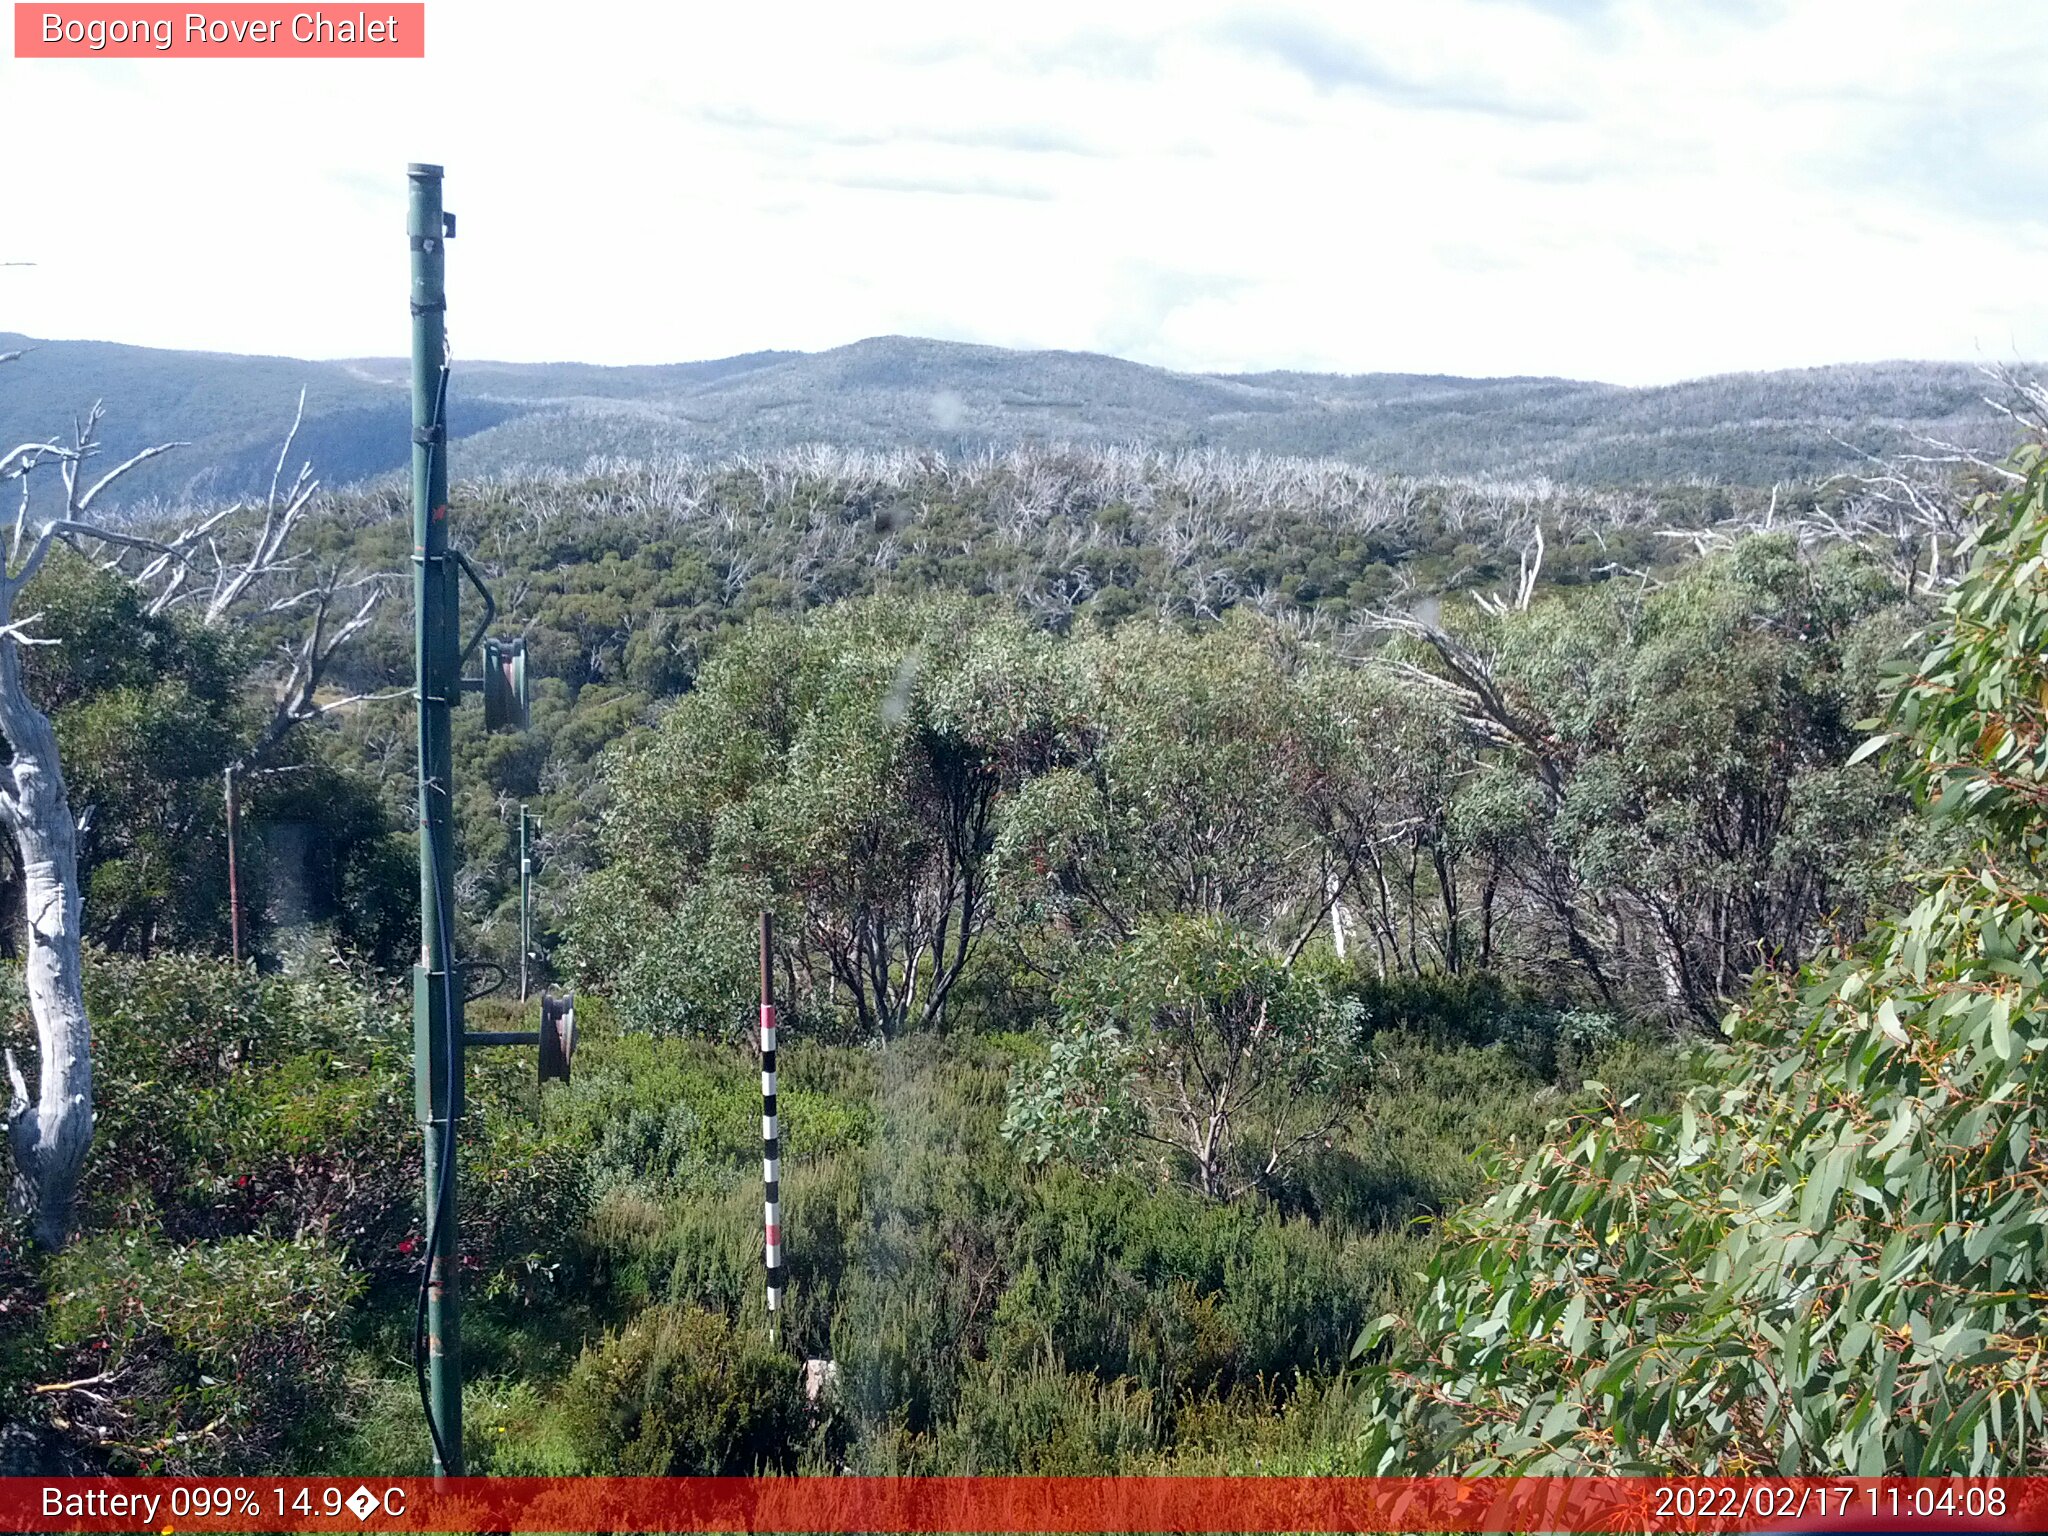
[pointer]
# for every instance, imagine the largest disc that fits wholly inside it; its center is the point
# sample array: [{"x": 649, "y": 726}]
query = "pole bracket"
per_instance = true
[
  {"x": 502, "y": 1037},
  {"x": 490, "y": 603}
]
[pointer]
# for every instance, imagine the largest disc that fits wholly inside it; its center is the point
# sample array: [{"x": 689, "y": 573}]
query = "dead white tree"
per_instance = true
[
  {"x": 1525, "y": 585},
  {"x": 1466, "y": 680},
  {"x": 49, "y": 1131},
  {"x": 47, "y": 1134},
  {"x": 225, "y": 579}
]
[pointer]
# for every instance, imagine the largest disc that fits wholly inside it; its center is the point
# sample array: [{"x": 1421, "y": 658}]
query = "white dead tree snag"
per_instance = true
[
  {"x": 192, "y": 569},
  {"x": 47, "y": 1134},
  {"x": 49, "y": 1129},
  {"x": 1525, "y": 584}
]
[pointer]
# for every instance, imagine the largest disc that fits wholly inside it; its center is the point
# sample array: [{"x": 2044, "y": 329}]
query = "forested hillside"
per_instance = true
[
  {"x": 1230, "y": 909},
  {"x": 898, "y": 392},
  {"x": 625, "y": 582}
]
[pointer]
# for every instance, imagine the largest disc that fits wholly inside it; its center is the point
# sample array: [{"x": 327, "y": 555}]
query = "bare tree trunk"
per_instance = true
[
  {"x": 1447, "y": 892},
  {"x": 48, "y": 1137},
  {"x": 1486, "y": 896}
]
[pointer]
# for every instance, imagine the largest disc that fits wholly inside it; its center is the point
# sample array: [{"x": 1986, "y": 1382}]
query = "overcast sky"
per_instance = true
[{"x": 1635, "y": 191}]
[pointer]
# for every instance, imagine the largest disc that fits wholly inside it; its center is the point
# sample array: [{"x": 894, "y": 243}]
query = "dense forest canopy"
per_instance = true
[
  {"x": 1213, "y": 893},
  {"x": 625, "y": 584}
]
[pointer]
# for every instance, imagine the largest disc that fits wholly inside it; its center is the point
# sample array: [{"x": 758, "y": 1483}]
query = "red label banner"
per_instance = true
[{"x": 230, "y": 31}]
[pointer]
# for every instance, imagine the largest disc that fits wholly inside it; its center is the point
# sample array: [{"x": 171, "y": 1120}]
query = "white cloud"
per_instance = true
[{"x": 1620, "y": 189}]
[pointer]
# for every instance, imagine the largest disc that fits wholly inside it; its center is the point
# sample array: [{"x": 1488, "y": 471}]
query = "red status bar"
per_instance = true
[{"x": 1020, "y": 1504}]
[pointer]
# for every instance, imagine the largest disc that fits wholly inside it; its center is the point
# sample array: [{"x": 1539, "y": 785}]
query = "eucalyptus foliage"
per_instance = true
[
  {"x": 1668, "y": 802},
  {"x": 1196, "y": 1039},
  {"x": 1831, "y": 1259},
  {"x": 842, "y": 772},
  {"x": 1223, "y": 774}
]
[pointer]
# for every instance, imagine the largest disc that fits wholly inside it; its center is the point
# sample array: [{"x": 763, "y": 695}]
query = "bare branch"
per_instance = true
[
  {"x": 1468, "y": 678},
  {"x": 70, "y": 528},
  {"x": 20, "y": 524},
  {"x": 386, "y": 696},
  {"x": 77, "y": 1386},
  {"x": 1532, "y": 567},
  {"x": 298, "y": 416},
  {"x": 20, "y": 460},
  {"x": 83, "y": 503},
  {"x": 17, "y": 631},
  {"x": 85, "y": 443},
  {"x": 12, "y": 582}
]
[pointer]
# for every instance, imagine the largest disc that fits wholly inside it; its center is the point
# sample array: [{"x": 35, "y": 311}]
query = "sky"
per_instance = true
[{"x": 1637, "y": 191}]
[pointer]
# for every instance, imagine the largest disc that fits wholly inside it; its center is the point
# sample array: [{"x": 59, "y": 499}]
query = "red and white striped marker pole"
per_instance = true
[{"x": 771, "y": 1141}]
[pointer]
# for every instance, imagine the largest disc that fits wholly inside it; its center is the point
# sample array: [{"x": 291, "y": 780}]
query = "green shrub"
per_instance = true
[
  {"x": 207, "y": 1356},
  {"x": 684, "y": 976},
  {"x": 1181, "y": 1294},
  {"x": 901, "y": 1343},
  {"x": 1472, "y": 1008},
  {"x": 671, "y": 1116},
  {"x": 510, "y": 1430},
  {"x": 1192, "y": 1036},
  {"x": 1043, "y": 1422},
  {"x": 228, "y": 1103},
  {"x": 1486, "y": 1008},
  {"x": 678, "y": 1392},
  {"x": 524, "y": 1196},
  {"x": 941, "y": 1192}
]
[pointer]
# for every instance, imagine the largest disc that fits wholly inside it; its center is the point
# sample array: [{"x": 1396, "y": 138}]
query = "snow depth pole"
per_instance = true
[
  {"x": 436, "y": 990},
  {"x": 771, "y": 1141}
]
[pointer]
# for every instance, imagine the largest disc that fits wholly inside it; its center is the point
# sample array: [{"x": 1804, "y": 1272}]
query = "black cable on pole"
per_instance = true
[{"x": 444, "y": 953}]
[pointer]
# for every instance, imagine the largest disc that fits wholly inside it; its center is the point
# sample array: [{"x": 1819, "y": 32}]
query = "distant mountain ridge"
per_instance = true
[{"x": 896, "y": 391}]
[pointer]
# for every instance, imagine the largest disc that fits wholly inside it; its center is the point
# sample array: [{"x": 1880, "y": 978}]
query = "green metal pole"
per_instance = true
[
  {"x": 525, "y": 904},
  {"x": 437, "y": 998}
]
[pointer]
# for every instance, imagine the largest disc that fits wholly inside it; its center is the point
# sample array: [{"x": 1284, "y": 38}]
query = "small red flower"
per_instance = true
[{"x": 406, "y": 1246}]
